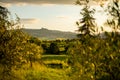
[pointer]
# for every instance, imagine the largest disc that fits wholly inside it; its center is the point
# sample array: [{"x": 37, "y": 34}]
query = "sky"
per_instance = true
[{"x": 51, "y": 14}]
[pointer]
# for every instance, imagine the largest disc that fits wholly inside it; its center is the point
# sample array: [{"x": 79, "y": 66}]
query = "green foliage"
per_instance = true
[
  {"x": 95, "y": 58},
  {"x": 87, "y": 23},
  {"x": 35, "y": 41},
  {"x": 14, "y": 46},
  {"x": 54, "y": 49},
  {"x": 113, "y": 10},
  {"x": 45, "y": 47},
  {"x": 11, "y": 42}
]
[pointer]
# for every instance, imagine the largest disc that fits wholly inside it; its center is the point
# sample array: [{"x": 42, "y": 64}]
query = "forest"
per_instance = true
[{"x": 94, "y": 55}]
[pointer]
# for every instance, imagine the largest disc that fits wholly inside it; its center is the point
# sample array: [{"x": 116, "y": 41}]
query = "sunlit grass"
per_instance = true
[
  {"x": 54, "y": 57},
  {"x": 40, "y": 72}
]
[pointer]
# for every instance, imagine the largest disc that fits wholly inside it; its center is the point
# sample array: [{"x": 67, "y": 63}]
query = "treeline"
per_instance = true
[{"x": 53, "y": 47}]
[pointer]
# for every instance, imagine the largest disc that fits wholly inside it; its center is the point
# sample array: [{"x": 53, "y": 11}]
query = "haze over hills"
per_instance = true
[{"x": 44, "y": 33}]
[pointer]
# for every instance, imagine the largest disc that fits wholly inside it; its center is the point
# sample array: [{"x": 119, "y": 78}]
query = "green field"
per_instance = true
[
  {"x": 55, "y": 61},
  {"x": 54, "y": 57}
]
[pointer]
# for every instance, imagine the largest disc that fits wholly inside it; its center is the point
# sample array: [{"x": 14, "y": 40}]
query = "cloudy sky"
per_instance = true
[{"x": 51, "y": 14}]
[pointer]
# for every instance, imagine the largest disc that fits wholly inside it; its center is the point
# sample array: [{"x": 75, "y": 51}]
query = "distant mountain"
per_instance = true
[{"x": 44, "y": 33}]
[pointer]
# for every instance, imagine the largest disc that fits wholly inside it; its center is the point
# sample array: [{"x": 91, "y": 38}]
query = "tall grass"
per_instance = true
[
  {"x": 39, "y": 72},
  {"x": 54, "y": 57}
]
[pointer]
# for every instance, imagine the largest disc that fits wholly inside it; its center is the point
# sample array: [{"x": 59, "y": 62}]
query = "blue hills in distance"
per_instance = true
[{"x": 47, "y": 34}]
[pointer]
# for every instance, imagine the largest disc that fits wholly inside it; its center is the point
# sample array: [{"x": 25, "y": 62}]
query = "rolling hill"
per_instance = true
[{"x": 44, "y": 33}]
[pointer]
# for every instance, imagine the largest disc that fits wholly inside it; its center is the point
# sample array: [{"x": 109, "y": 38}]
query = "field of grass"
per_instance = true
[
  {"x": 54, "y": 57},
  {"x": 44, "y": 72},
  {"x": 40, "y": 72},
  {"x": 55, "y": 61}
]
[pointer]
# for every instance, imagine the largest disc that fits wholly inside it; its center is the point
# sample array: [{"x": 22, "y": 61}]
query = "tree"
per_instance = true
[
  {"x": 87, "y": 23},
  {"x": 15, "y": 46},
  {"x": 96, "y": 58},
  {"x": 33, "y": 53},
  {"x": 10, "y": 42},
  {"x": 54, "y": 49},
  {"x": 113, "y": 10},
  {"x": 110, "y": 63}
]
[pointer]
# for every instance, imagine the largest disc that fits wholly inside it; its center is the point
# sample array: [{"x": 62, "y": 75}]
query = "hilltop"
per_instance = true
[{"x": 44, "y": 33}]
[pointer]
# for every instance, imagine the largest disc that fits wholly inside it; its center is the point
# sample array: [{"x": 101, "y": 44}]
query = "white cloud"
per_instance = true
[
  {"x": 63, "y": 17},
  {"x": 29, "y": 21},
  {"x": 5, "y": 4}
]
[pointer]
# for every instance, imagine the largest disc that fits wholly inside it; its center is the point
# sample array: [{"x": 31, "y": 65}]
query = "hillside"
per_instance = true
[{"x": 44, "y": 33}]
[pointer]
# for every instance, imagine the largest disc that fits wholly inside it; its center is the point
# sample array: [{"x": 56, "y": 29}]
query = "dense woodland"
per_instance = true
[{"x": 90, "y": 57}]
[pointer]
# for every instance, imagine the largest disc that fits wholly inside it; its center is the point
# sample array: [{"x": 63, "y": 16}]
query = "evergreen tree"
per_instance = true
[{"x": 87, "y": 22}]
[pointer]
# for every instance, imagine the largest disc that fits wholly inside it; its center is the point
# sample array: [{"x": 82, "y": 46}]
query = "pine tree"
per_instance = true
[{"x": 87, "y": 23}]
